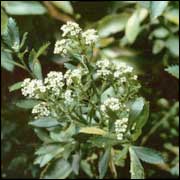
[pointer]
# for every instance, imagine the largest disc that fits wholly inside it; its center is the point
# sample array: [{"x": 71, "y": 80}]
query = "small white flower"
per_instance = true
[
  {"x": 41, "y": 110},
  {"x": 68, "y": 96},
  {"x": 33, "y": 88},
  {"x": 54, "y": 82},
  {"x": 135, "y": 77},
  {"x": 90, "y": 36},
  {"x": 62, "y": 46},
  {"x": 123, "y": 79},
  {"x": 71, "y": 29},
  {"x": 111, "y": 103}
]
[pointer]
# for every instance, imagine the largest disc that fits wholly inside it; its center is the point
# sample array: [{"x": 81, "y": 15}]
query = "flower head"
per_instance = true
[{"x": 90, "y": 36}]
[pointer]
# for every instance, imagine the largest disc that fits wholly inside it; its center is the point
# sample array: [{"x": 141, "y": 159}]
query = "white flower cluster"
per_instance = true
[
  {"x": 71, "y": 29},
  {"x": 54, "y": 82},
  {"x": 33, "y": 88},
  {"x": 90, "y": 36},
  {"x": 111, "y": 103},
  {"x": 41, "y": 110},
  {"x": 73, "y": 75},
  {"x": 121, "y": 127},
  {"x": 62, "y": 46},
  {"x": 68, "y": 96},
  {"x": 105, "y": 68}
]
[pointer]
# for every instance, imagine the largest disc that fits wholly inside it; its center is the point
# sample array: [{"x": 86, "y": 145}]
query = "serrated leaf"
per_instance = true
[
  {"x": 92, "y": 130},
  {"x": 132, "y": 27},
  {"x": 148, "y": 155},
  {"x": 60, "y": 169},
  {"x": 64, "y": 6},
  {"x": 112, "y": 24},
  {"x": 11, "y": 36},
  {"x": 173, "y": 70},
  {"x": 24, "y": 8},
  {"x": 136, "y": 168},
  {"x": 45, "y": 122},
  {"x": 103, "y": 163},
  {"x": 26, "y": 104},
  {"x": 15, "y": 86},
  {"x": 157, "y": 8}
]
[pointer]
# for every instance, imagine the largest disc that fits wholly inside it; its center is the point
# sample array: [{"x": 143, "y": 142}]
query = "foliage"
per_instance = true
[{"x": 80, "y": 136}]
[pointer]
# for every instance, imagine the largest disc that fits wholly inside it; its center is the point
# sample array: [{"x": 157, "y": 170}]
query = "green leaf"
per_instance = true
[
  {"x": 173, "y": 70},
  {"x": 92, "y": 130},
  {"x": 11, "y": 36},
  {"x": 109, "y": 92},
  {"x": 43, "y": 135},
  {"x": 69, "y": 66},
  {"x": 157, "y": 8},
  {"x": 7, "y": 61},
  {"x": 161, "y": 32},
  {"x": 136, "y": 108},
  {"x": 158, "y": 46},
  {"x": 37, "y": 70},
  {"x": 112, "y": 24},
  {"x": 145, "y": 4},
  {"x": 60, "y": 169},
  {"x": 23, "y": 39},
  {"x": 76, "y": 163},
  {"x": 4, "y": 22},
  {"x": 172, "y": 44},
  {"x": 85, "y": 166},
  {"x": 24, "y": 8},
  {"x": 15, "y": 86},
  {"x": 27, "y": 104},
  {"x": 103, "y": 163},
  {"x": 140, "y": 121},
  {"x": 133, "y": 27},
  {"x": 41, "y": 50},
  {"x": 148, "y": 155},
  {"x": 64, "y": 6},
  {"x": 45, "y": 122},
  {"x": 172, "y": 15},
  {"x": 136, "y": 168}
]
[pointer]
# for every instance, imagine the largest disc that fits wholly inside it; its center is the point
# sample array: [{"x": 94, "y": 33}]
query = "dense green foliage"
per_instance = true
[{"x": 79, "y": 143}]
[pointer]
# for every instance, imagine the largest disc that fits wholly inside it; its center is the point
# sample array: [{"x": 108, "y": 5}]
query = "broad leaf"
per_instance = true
[
  {"x": 103, "y": 163},
  {"x": 112, "y": 24},
  {"x": 24, "y": 8},
  {"x": 15, "y": 86},
  {"x": 45, "y": 122},
  {"x": 136, "y": 168},
  {"x": 173, "y": 70},
  {"x": 172, "y": 15},
  {"x": 76, "y": 163},
  {"x": 148, "y": 155},
  {"x": 133, "y": 27},
  {"x": 172, "y": 44},
  {"x": 157, "y": 8},
  {"x": 60, "y": 169},
  {"x": 7, "y": 61},
  {"x": 37, "y": 70},
  {"x": 85, "y": 166},
  {"x": 27, "y": 104}
]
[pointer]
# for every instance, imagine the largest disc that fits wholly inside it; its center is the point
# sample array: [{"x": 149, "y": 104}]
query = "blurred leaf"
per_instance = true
[
  {"x": 145, "y": 4},
  {"x": 132, "y": 27},
  {"x": 24, "y": 8},
  {"x": 157, "y": 8},
  {"x": 69, "y": 66},
  {"x": 161, "y": 32},
  {"x": 173, "y": 70},
  {"x": 112, "y": 24},
  {"x": 15, "y": 86},
  {"x": 43, "y": 135},
  {"x": 85, "y": 166},
  {"x": 4, "y": 22},
  {"x": 92, "y": 130},
  {"x": 172, "y": 16},
  {"x": 44, "y": 122},
  {"x": 172, "y": 44},
  {"x": 64, "y": 6},
  {"x": 76, "y": 163},
  {"x": 148, "y": 155},
  {"x": 7, "y": 61},
  {"x": 140, "y": 121},
  {"x": 23, "y": 39},
  {"x": 37, "y": 70},
  {"x": 158, "y": 46},
  {"x": 11, "y": 36},
  {"x": 60, "y": 169},
  {"x": 27, "y": 104},
  {"x": 136, "y": 168},
  {"x": 103, "y": 163},
  {"x": 41, "y": 50},
  {"x": 109, "y": 92}
]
